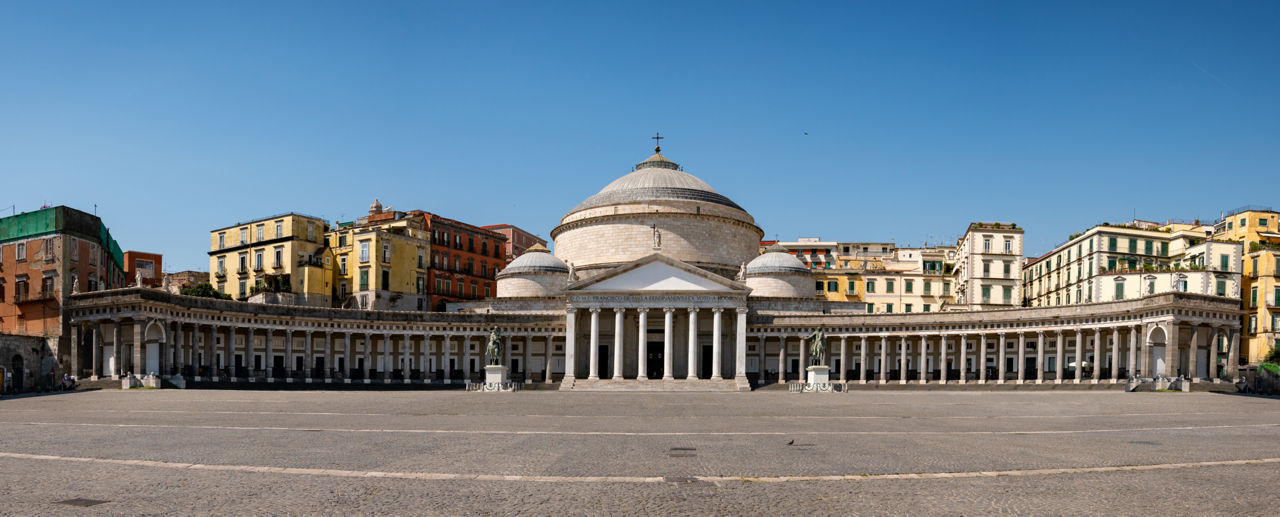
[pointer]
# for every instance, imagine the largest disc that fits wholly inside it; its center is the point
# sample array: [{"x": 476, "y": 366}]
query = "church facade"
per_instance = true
[{"x": 657, "y": 282}]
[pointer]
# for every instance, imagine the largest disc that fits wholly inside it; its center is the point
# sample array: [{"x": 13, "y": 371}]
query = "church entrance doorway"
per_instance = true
[
  {"x": 704, "y": 368},
  {"x": 654, "y": 361},
  {"x": 603, "y": 365},
  {"x": 795, "y": 368}
]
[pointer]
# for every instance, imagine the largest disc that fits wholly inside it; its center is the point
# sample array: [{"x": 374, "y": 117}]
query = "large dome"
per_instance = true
[
  {"x": 656, "y": 178},
  {"x": 657, "y": 208}
]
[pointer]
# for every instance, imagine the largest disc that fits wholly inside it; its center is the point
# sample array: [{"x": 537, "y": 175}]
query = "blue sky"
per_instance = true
[{"x": 179, "y": 117}]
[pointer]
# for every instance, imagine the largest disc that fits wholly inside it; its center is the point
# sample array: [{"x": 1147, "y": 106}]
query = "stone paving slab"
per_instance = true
[{"x": 564, "y": 453}]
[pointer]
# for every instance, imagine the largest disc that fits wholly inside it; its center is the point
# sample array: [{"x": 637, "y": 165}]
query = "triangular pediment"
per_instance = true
[{"x": 656, "y": 273}]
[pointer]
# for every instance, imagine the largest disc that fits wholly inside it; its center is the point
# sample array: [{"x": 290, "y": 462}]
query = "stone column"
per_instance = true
[
  {"x": 466, "y": 355},
  {"x": 267, "y": 359},
  {"x": 570, "y": 329},
  {"x": 447, "y": 348},
  {"x": 367, "y": 351},
  {"x": 546, "y": 361},
  {"x": 1001, "y": 354},
  {"x": 1097, "y": 354},
  {"x": 1040, "y": 357},
  {"x": 716, "y": 336},
  {"x": 288, "y": 355},
  {"x": 1115, "y": 355},
  {"x": 740, "y": 347},
  {"x": 137, "y": 366},
  {"x": 386, "y": 357},
  {"x": 97, "y": 351},
  {"x": 691, "y": 369},
  {"x": 862, "y": 361},
  {"x": 668, "y": 345},
  {"x": 1172, "y": 350},
  {"x": 1193, "y": 368},
  {"x": 526, "y": 365},
  {"x": 1233, "y": 357},
  {"x": 642, "y": 344},
  {"x": 618, "y": 314},
  {"x": 308, "y": 358},
  {"x": 1079, "y": 355},
  {"x": 922, "y": 369},
  {"x": 964, "y": 358},
  {"x": 982, "y": 359},
  {"x": 328, "y": 355},
  {"x": 593, "y": 369},
  {"x": 1132, "y": 363},
  {"x": 230, "y": 355},
  {"x": 1144, "y": 355},
  {"x": 406, "y": 342},
  {"x": 904, "y": 350},
  {"x": 942, "y": 359},
  {"x": 175, "y": 330},
  {"x": 884, "y": 359},
  {"x": 75, "y": 349},
  {"x": 782, "y": 359},
  {"x": 346, "y": 357},
  {"x": 844, "y": 359},
  {"x": 118, "y": 361},
  {"x": 1022, "y": 357},
  {"x": 1060, "y": 353},
  {"x": 1213, "y": 353}
]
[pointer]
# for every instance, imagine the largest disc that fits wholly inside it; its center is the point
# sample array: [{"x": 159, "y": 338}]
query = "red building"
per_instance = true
[
  {"x": 465, "y": 260},
  {"x": 518, "y": 240},
  {"x": 148, "y": 264}
]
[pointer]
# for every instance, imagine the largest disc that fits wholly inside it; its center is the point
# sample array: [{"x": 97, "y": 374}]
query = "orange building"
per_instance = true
[
  {"x": 518, "y": 240},
  {"x": 148, "y": 264},
  {"x": 465, "y": 260}
]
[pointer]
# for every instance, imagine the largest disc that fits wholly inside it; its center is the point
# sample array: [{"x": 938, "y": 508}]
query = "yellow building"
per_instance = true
[
  {"x": 1258, "y": 229},
  {"x": 381, "y": 261},
  {"x": 279, "y": 256}
]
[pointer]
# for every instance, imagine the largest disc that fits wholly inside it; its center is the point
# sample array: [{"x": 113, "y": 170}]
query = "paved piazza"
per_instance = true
[{"x": 206, "y": 451}]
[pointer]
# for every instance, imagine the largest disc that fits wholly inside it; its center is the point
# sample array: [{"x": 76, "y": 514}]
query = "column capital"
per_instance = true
[
  {"x": 692, "y": 310},
  {"x": 717, "y": 310},
  {"x": 740, "y": 310},
  {"x": 619, "y": 310},
  {"x": 642, "y": 310},
  {"x": 668, "y": 309},
  {"x": 1039, "y": 333},
  {"x": 594, "y": 310},
  {"x": 571, "y": 310}
]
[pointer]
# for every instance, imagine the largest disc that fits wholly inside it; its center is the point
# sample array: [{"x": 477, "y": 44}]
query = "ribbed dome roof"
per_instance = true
[
  {"x": 654, "y": 179},
  {"x": 535, "y": 260},
  {"x": 776, "y": 262}
]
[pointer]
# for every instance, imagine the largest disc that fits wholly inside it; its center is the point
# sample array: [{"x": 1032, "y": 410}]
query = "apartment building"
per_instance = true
[
  {"x": 988, "y": 267},
  {"x": 285, "y": 257},
  {"x": 1257, "y": 230}
]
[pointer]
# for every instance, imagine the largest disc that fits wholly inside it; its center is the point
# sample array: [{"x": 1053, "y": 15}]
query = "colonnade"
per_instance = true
[
  {"x": 1093, "y": 354},
  {"x": 621, "y": 346},
  {"x": 247, "y": 353}
]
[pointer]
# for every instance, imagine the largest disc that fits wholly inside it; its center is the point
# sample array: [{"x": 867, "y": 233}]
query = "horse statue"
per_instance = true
[
  {"x": 817, "y": 346},
  {"x": 493, "y": 350}
]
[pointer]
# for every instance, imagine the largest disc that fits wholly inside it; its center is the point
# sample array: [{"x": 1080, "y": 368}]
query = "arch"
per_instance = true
[
  {"x": 162, "y": 329},
  {"x": 1153, "y": 338},
  {"x": 1157, "y": 337}
]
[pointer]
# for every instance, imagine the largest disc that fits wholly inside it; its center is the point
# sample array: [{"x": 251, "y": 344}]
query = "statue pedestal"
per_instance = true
[
  {"x": 820, "y": 374},
  {"x": 130, "y": 382},
  {"x": 495, "y": 374}
]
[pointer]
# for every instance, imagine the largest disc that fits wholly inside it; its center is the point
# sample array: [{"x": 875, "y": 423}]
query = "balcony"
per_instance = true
[
  {"x": 220, "y": 274},
  {"x": 242, "y": 270},
  {"x": 29, "y": 297},
  {"x": 310, "y": 262}
]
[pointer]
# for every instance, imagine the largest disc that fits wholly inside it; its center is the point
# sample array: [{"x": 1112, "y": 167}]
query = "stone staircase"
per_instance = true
[{"x": 632, "y": 385}]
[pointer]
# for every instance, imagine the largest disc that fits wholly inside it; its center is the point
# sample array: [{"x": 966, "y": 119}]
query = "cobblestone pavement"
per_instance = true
[{"x": 290, "y": 452}]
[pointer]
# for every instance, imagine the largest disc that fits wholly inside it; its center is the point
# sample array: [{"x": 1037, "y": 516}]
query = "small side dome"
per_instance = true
[
  {"x": 375, "y": 208},
  {"x": 775, "y": 262},
  {"x": 536, "y": 259}
]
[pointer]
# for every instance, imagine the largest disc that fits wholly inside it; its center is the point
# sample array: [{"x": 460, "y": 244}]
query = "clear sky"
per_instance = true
[{"x": 842, "y": 120}]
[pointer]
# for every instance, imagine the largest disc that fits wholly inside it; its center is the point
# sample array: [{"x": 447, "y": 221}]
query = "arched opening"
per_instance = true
[
  {"x": 153, "y": 340},
  {"x": 1156, "y": 342}
]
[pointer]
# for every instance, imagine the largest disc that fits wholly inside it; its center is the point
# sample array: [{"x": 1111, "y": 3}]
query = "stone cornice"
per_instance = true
[{"x": 592, "y": 221}]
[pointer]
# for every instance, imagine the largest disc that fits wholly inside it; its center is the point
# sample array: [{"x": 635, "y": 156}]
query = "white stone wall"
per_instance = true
[
  {"x": 782, "y": 286},
  {"x": 532, "y": 284},
  {"x": 693, "y": 239},
  {"x": 1137, "y": 285}
]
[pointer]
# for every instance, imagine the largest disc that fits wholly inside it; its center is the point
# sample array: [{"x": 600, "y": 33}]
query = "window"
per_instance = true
[
  {"x": 244, "y": 262},
  {"x": 243, "y": 293},
  {"x": 1182, "y": 285},
  {"x": 1224, "y": 262},
  {"x": 259, "y": 230},
  {"x": 1008, "y": 270},
  {"x": 1119, "y": 289},
  {"x": 946, "y": 288},
  {"x": 222, "y": 240},
  {"x": 1133, "y": 245},
  {"x": 222, "y": 265},
  {"x": 364, "y": 279},
  {"x": 257, "y": 260},
  {"x": 1244, "y": 221},
  {"x": 1151, "y": 287},
  {"x": 279, "y": 229},
  {"x": 22, "y": 252},
  {"x": 386, "y": 280},
  {"x": 1253, "y": 324},
  {"x": 311, "y": 232},
  {"x": 364, "y": 251},
  {"x": 986, "y": 245},
  {"x": 342, "y": 240},
  {"x": 817, "y": 286},
  {"x": 1111, "y": 244},
  {"x": 244, "y": 235},
  {"x": 871, "y": 307},
  {"x": 909, "y": 286},
  {"x": 1262, "y": 222},
  {"x": 986, "y": 269},
  {"x": 1222, "y": 288},
  {"x": 1253, "y": 297},
  {"x": 986, "y": 294},
  {"x": 1275, "y": 298},
  {"x": 1008, "y": 245},
  {"x": 1253, "y": 267},
  {"x": 927, "y": 288},
  {"x": 342, "y": 264},
  {"x": 833, "y": 286},
  {"x": 386, "y": 252},
  {"x": 1164, "y": 249},
  {"x": 908, "y": 307},
  {"x": 421, "y": 285},
  {"x": 1111, "y": 263},
  {"x": 888, "y": 286},
  {"x": 888, "y": 307},
  {"x": 279, "y": 257},
  {"x": 420, "y": 259},
  {"x": 871, "y": 286},
  {"x": 1147, "y": 247},
  {"x": 1008, "y": 295},
  {"x": 926, "y": 307}
]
